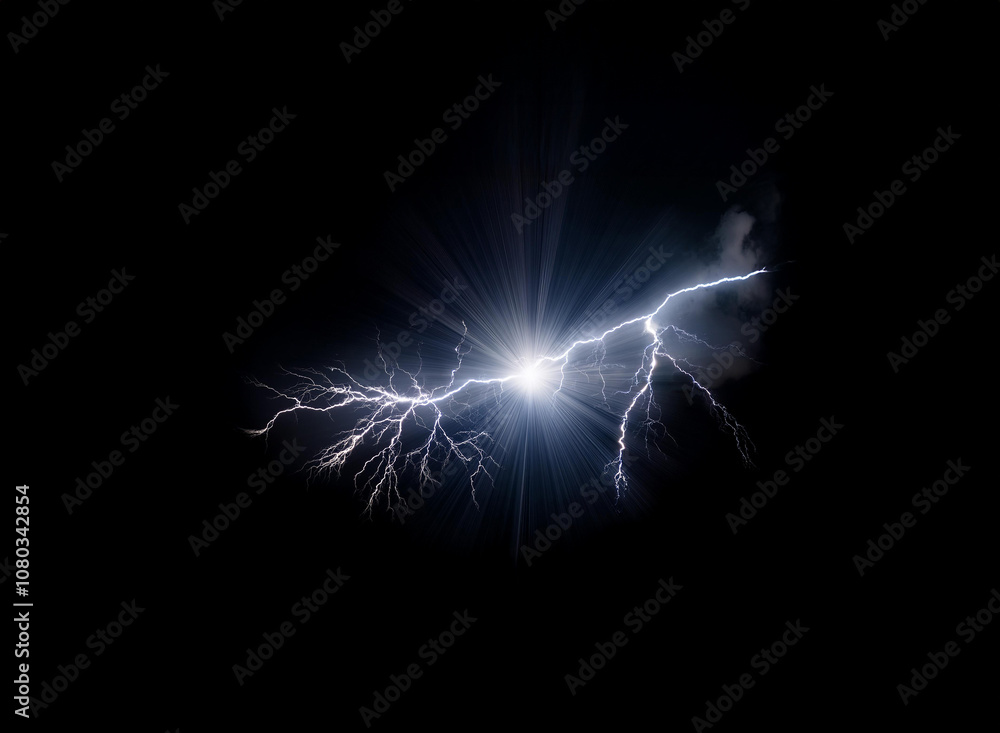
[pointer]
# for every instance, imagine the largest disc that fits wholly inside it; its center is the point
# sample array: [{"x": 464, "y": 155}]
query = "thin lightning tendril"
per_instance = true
[{"x": 384, "y": 411}]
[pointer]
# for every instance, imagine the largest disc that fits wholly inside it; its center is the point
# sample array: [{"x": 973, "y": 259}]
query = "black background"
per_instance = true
[{"x": 323, "y": 176}]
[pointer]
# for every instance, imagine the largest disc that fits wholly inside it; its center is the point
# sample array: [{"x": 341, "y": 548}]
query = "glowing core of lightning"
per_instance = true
[
  {"x": 386, "y": 410},
  {"x": 530, "y": 376}
]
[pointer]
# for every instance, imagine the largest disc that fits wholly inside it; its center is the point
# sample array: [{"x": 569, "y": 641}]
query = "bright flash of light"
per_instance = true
[
  {"x": 530, "y": 377},
  {"x": 388, "y": 415},
  {"x": 537, "y": 377}
]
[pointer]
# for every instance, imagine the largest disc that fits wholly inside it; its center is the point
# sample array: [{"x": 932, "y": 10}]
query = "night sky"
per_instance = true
[{"x": 202, "y": 201}]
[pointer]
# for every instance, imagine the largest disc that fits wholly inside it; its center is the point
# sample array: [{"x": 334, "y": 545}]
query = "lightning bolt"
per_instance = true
[{"x": 383, "y": 412}]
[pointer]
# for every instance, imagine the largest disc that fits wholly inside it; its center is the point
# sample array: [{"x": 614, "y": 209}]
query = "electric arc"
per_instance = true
[{"x": 384, "y": 411}]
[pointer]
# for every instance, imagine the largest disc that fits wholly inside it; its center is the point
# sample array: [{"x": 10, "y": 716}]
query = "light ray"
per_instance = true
[{"x": 384, "y": 413}]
